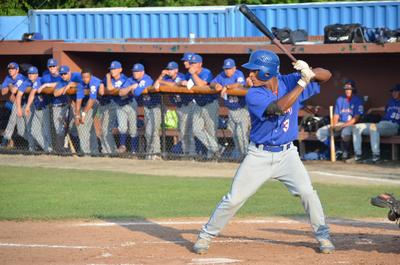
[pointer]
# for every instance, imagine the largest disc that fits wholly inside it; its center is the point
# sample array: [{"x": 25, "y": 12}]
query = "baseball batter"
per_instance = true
[{"x": 273, "y": 103}]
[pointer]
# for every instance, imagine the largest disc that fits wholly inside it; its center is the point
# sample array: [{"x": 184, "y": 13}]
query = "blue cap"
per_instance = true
[
  {"x": 349, "y": 85},
  {"x": 115, "y": 65},
  {"x": 196, "y": 59},
  {"x": 32, "y": 70},
  {"x": 52, "y": 62},
  {"x": 395, "y": 88},
  {"x": 172, "y": 66},
  {"x": 187, "y": 56},
  {"x": 229, "y": 63},
  {"x": 138, "y": 67},
  {"x": 13, "y": 65},
  {"x": 64, "y": 69}
]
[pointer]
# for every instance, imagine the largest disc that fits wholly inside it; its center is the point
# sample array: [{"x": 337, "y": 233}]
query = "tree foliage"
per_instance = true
[{"x": 21, "y": 7}]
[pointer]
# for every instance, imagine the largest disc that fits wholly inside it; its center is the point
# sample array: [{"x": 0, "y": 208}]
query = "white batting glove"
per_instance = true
[
  {"x": 300, "y": 65},
  {"x": 306, "y": 76}
]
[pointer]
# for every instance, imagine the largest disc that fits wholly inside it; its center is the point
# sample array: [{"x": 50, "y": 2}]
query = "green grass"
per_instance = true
[{"x": 38, "y": 193}]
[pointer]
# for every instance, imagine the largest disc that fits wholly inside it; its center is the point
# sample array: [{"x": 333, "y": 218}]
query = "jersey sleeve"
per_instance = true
[
  {"x": 60, "y": 85},
  {"x": 290, "y": 80},
  {"x": 258, "y": 101},
  {"x": 76, "y": 77},
  {"x": 6, "y": 81},
  {"x": 337, "y": 107},
  {"x": 20, "y": 80},
  {"x": 206, "y": 76},
  {"x": 310, "y": 90},
  {"x": 240, "y": 78},
  {"x": 22, "y": 88},
  {"x": 217, "y": 80}
]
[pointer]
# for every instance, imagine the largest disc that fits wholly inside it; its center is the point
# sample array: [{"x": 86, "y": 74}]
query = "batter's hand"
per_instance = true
[
  {"x": 307, "y": 75},
  {"x": 27, "y": 112},
  {"x": 218, "y": 87},
  {"x": 299, "y": 65}
]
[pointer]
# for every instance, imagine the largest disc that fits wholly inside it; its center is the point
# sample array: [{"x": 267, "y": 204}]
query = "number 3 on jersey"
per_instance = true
[{"x": 286, "y": 125}]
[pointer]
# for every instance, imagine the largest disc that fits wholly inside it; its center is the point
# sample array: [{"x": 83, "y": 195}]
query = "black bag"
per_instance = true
[
  {"x": 381, "y": 35},
  {"x": 288, "y": 36},
  {"x": 343, "y": 33},
  {"x": 312, "y": 123}
]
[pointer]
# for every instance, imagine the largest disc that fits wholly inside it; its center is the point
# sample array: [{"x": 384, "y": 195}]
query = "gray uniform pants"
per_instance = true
[
  {"x": 12, "y": 122},
  {"x": 108, "y": 118},
  {"x": 41, "y": 129},
  {"x": 24, "y": 125},
  {"x": 60, "y": 116},
  {"x": 258, "y": 167},
  {"x": 185, "y": 116},
  {"x": 324, "y": 132},
  {"x": 127, "y": 116},
  {"x": 152, "y": 119},
  {"x": 87, "y": 133},
  {"x": 239, "y": 125},
  {"x": 374, "y": 130},
  {"x": 205, "y": 125}
]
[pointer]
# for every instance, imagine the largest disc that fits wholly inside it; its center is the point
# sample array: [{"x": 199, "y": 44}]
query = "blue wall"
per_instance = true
[
  {"x": 225, "y": 21},
  {"x": 7, "y": 25}
]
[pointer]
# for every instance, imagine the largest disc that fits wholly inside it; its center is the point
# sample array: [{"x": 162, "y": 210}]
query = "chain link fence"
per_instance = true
[{"x": 181, "y": 126}]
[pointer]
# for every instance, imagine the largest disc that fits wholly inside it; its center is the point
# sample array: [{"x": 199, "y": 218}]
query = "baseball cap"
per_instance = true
[
  {"x": 172, "y": 66},
  {"x": 64, "y": 69},
  {"x": 115, "y": 65},
  {"x": 137, "y": 67},
  {"x": 187, "y": 56},
  {"x": 52, "y": 62},
  {"x": 395, "y": 88},
  {"x": 229, "y": 63},
  {"x": 13, "y": 65},
  {"x": 32, "y": 70},
  {"x": 196, "y": 59},
  {"x": 349, "y": 85}
]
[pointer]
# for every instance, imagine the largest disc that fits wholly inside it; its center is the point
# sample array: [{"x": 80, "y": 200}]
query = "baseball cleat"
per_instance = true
[
  {"x": 201, "y": 246},
  {"x": 326, "y": 246}
]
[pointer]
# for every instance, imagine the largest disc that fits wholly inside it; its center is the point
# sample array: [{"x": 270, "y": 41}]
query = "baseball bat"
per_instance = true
[
  {"x": 259, "y": 25},
  {"x": 332, "y": 135}
]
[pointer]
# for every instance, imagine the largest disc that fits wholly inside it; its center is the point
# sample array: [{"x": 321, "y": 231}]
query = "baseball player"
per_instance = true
[
  {"x": 238, "y": 117},
  {"x": 273, "y": 104},
  {"x": 11, "y": 84},
  {"x": 24, "y": 122},
  {"x": 108, "y": 106},
  {"x": 171, "y": 76},
  {"x": 86, "y": 108},
  {"x": 388, "y": 126},
  {"x": 38, "y": 107},
  {"x": 348, "y": 110},
  {"x": 62, "y": 105},
  {"x": 205, "y": 111},
  {"x": 152, "y": 109},
  {"x": 127, "y": 116}
]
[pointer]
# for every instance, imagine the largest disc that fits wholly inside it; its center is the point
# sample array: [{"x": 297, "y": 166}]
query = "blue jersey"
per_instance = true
[
  {"x": 149, "y": 100},
  {"x": 232, "y": 102},
  {"x": 276, "y": 130},
  {"x": 178, "y": 99},
  {"x": 63, "y": 99},
  {"x": 92, "y": 87},
  {"x": 205, "y": 75},
  {"x": 17, "y": 82},
  {"x": 348, "y": 109},
  {"x": 392, "y": 111},
  {"x": 117, "y": 83},
  {"x": 40, "y": 101}
]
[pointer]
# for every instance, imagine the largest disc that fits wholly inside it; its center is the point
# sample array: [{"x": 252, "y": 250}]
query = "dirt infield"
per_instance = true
[{"x": 244, "y": 241}]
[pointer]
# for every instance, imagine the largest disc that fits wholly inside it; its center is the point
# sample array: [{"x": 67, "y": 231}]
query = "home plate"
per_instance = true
[{"x": 213, "y": 261}]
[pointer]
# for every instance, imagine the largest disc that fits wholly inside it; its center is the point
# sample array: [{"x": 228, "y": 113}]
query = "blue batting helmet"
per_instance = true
[{"x": 266, "y": 62}]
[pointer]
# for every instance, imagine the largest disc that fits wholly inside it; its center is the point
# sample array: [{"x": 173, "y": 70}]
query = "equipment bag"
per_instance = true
[{"x": 343, "y": 33}]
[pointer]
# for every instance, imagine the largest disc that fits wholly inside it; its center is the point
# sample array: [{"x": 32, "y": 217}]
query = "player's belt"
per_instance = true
[{"x": 274, "y": 148}]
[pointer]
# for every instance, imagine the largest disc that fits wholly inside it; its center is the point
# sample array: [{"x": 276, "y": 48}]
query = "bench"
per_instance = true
[{"x": 394, "y": 141}]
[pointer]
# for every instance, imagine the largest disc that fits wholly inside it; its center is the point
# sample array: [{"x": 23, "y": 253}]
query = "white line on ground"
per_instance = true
[
  {"x": 264, "y": 221},
  {"x": 213, "y": 261},
  {"x": 15, "y": 245},
  {"x": 377, "y": 180}
]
